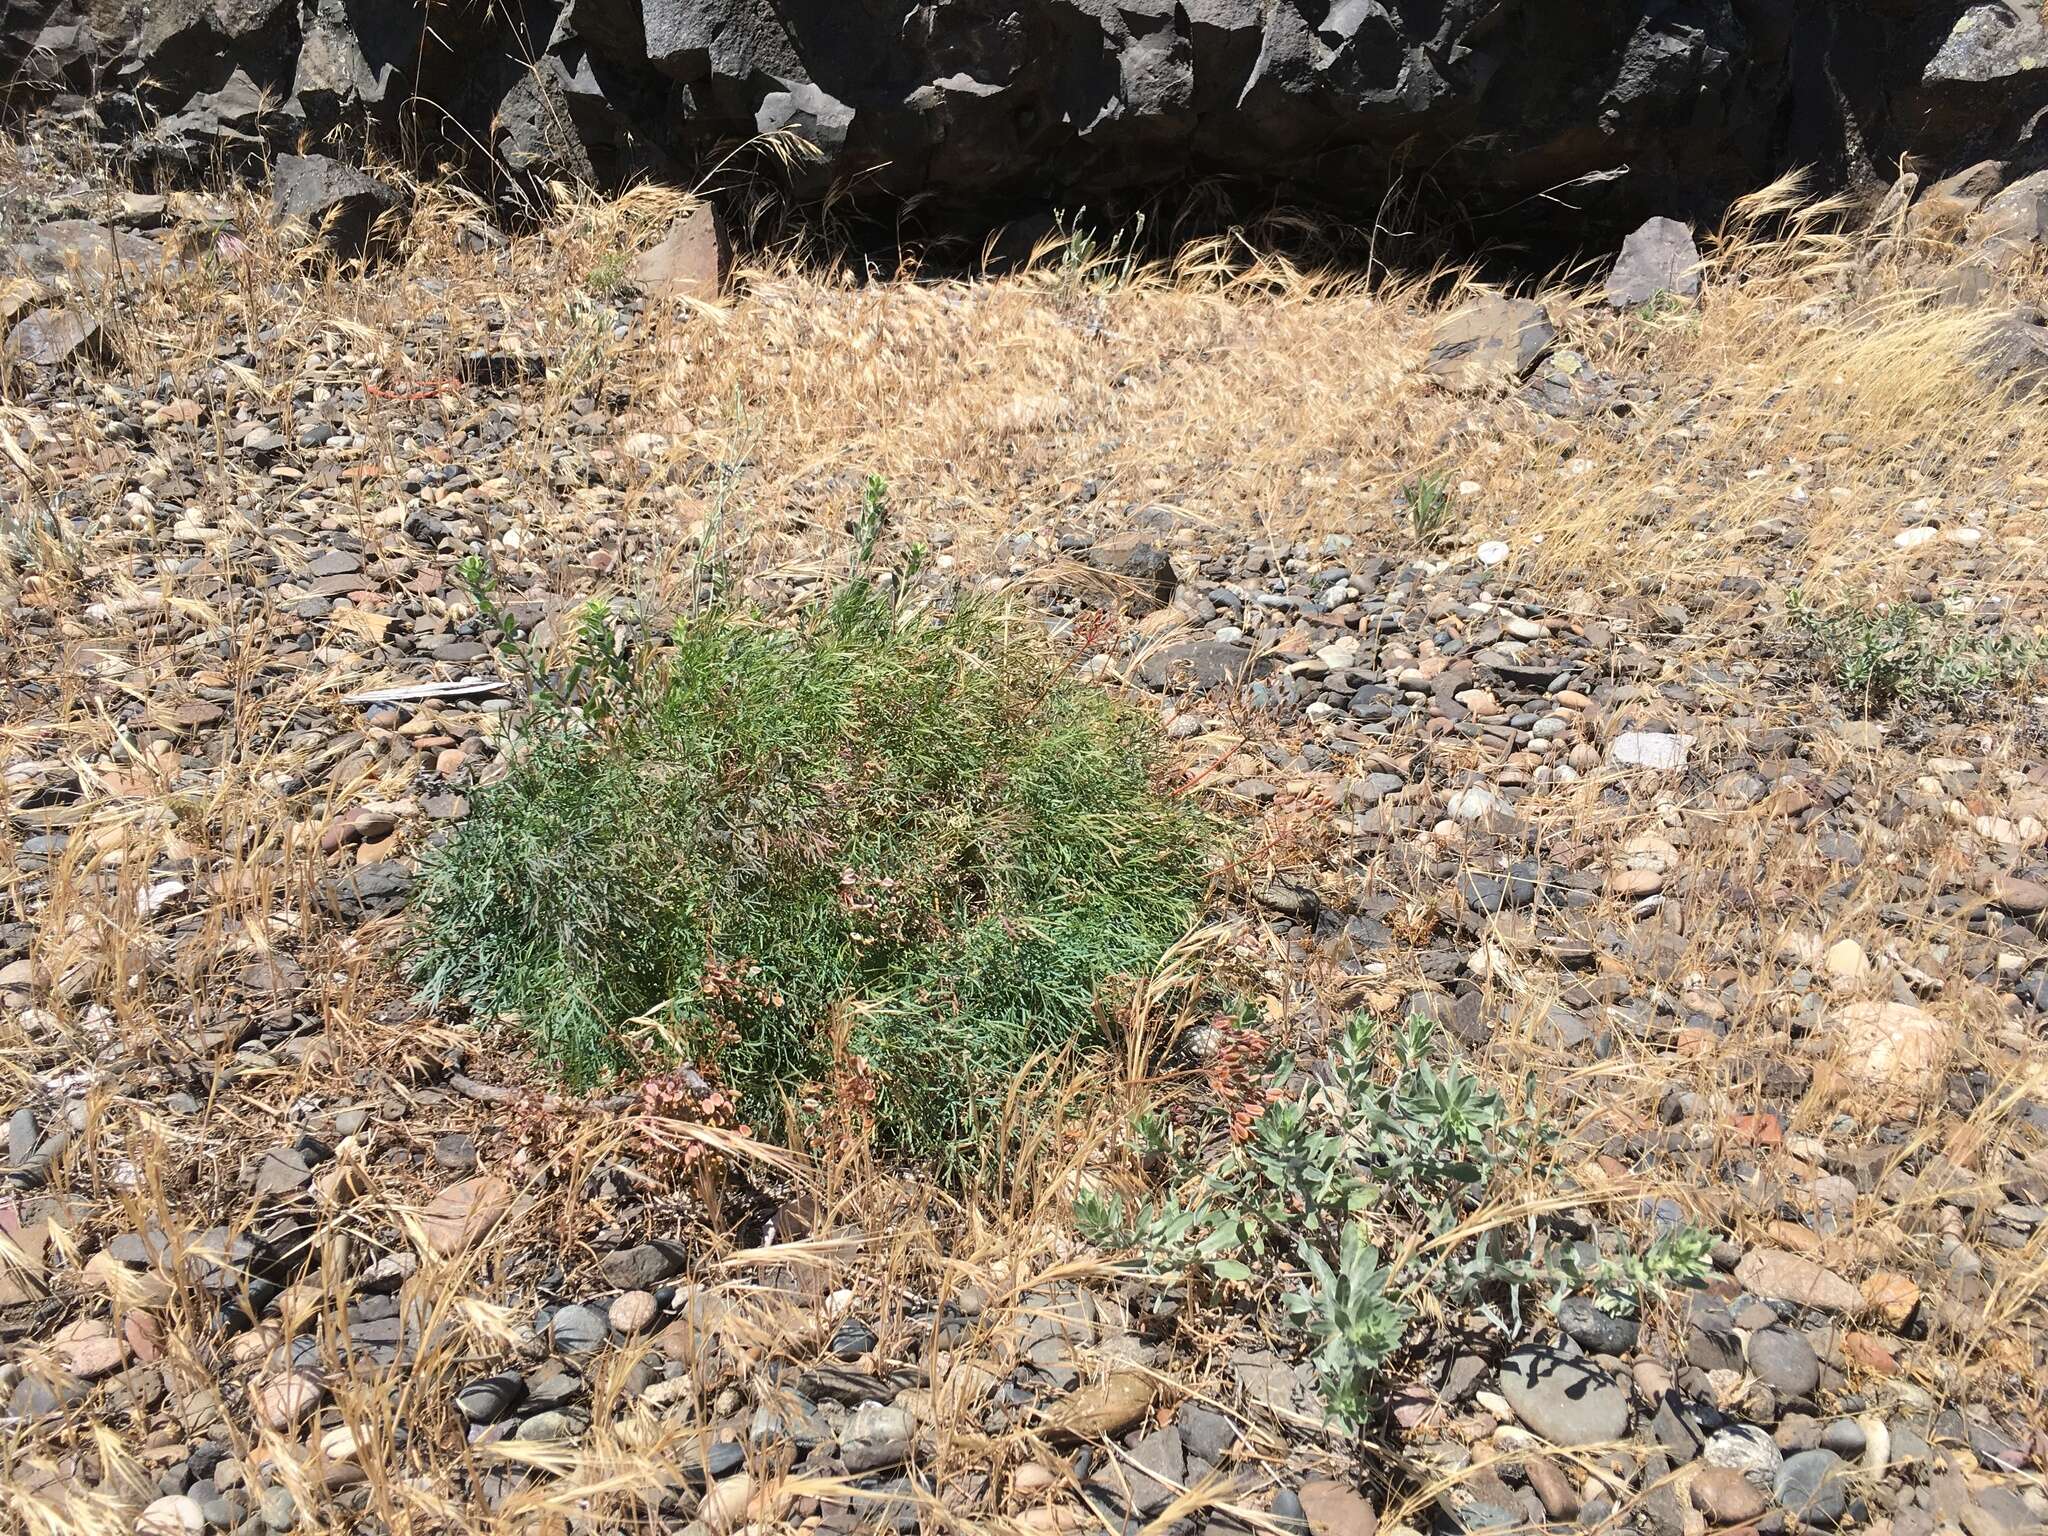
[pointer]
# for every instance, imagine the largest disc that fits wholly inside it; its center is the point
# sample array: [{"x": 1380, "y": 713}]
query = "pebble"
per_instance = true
[
  {"x": 1567, "y": 1400},
  {"x": 1287, "y": 1513},
  {"x": 172, "y": 1515},
  {"x": 1334, "y": 1509},
  {"x": 1846, "y": 962},
  {"x": 90, "y": 1350},
  {"x": 1745, "y": 1449},
  {"x": 632, "y": 1312},
  {"x": 278, "y": 1509},
  {"x": 878, "y": 1436},
  {"x": 1813, "y": 1487},
  {"x": 725, "y": 1504},
  {"x": 1783, "y": 1359},
  {"x": 579, "y": 1330},
  {"x": 550, "y": 1424},
  {"x": 1782, "y": 1276},
  {"x": 281, "y": 1401},
  {"x": 1891, "y": 1044},
  {"x": 1846, "y": 1438},
  {"x": 1660, "y": 751},
  {"x": 1725, "y": 1496},
  {"x": 1596, "y": 1330},
  {"x": 1877, "y": 1443},
  {"x": 851, "y": 1339},
  {"x": 462, "y": 1213},
  {"x": 643, "y": 1267}
]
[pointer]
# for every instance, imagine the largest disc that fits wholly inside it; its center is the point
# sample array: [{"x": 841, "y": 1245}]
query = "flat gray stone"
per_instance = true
[
  {"x": 1493, "y": 340},
  {"x": 51, "y": 337},
  {"x": 1565, "y": 1399},
  {"x": 1659, "y": 258}
]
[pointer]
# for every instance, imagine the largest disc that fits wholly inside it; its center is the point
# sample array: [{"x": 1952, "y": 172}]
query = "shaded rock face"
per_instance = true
[
  {"x": 66, "y": 44},
  {"x": 1617, "y": 108}
]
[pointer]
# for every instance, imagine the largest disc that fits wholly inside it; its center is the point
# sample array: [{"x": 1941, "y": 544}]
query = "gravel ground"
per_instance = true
[{"x": 285, "y": 1253}]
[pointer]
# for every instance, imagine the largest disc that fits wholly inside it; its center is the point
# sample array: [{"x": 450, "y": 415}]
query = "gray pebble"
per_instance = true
[
  {"x": 1812, "y": 1487},
  {"x": 579, "y": 1330}
]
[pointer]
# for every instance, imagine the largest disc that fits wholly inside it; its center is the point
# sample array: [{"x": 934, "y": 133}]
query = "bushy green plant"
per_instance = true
[
  {"x": 1356, "y": 1194},
  {"x": 875, "y": 861},
  {"x": 1898, "y": 654}
]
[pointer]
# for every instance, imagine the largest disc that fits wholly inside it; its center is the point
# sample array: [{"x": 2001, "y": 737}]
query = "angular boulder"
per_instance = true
[
  {"x": 2014, "y": 218},
  {"x": 1658, "y": 260},
  {"x": 690, "y": 262},
  {"x": 1492, "y": 340},
  {"x": 52, "y": 337},
  {"x": 82, "y": 253},
  {"x": 2013, "y": 355},
  {"x": 336, "y": 202},
  {"x": 1134, "y": 573}
]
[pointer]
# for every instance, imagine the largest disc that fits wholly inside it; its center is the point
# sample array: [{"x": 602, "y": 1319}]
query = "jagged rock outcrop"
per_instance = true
[
  {"x": 1520, "y": 112},
  {"x": 72, "y": 45}
]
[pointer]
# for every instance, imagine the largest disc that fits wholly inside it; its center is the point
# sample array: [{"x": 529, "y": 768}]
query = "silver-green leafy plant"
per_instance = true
[
  {"x": 1361, "y": 1186},
  {"x": 1902, "y": 655}
]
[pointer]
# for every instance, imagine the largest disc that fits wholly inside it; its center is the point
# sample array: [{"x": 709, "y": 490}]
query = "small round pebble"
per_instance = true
[
  {"x": 173, "y": 1515},
  {"x": 1784, "y": 1360},
  {"x": 632, "y": 1312}
]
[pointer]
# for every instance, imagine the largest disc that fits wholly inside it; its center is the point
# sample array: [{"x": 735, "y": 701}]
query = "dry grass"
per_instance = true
[{"x": 1807, "y": 393}]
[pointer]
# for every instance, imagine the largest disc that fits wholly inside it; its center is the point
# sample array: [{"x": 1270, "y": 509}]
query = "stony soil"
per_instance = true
[{"x": 283, "y": 1253}]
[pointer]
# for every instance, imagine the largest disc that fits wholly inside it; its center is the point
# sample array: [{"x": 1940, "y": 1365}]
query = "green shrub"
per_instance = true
[
  {"x": 1341, "y": 1204},
  {"x": 872, "y": 862},
  {"x": 1902, "y": 654}
]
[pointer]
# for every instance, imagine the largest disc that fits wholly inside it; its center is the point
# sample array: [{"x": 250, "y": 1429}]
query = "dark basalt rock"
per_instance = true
[{"x": 1579, "y": 115}]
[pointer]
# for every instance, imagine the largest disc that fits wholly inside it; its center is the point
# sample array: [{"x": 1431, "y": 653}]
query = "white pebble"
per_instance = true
[{"x": 176, "y": 1514}]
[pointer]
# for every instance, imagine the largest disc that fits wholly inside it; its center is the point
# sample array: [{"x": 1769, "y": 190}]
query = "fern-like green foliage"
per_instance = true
[{"x": 874, "y": 853}]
